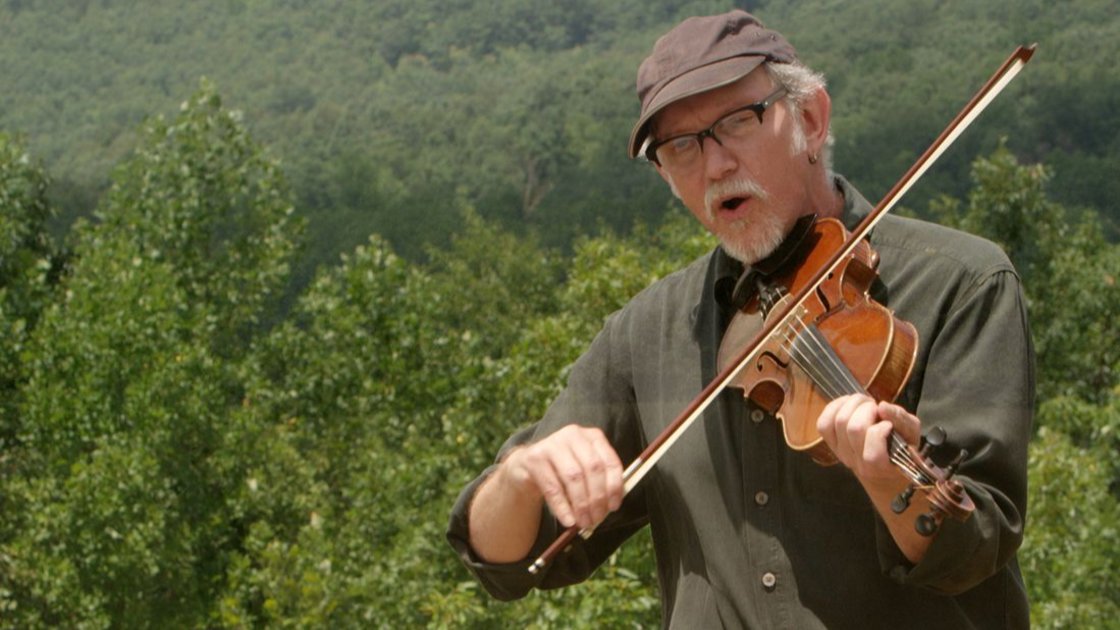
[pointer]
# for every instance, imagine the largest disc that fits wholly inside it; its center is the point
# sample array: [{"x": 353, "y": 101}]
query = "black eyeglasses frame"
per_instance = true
[{"x": 758, "y": 108}]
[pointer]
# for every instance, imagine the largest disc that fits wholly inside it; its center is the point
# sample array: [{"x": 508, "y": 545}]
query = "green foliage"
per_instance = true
[
  {"x": 358, "y": 384},
  {"x": 422, "y": 373},
  {"x": 121, "y": 515},
  {"x": 27, "y": 262},
  {"x": 394, "y": 116},
  {"x": 199, "y": 193},
  {"x": 178, "y": 452},
  {"x": 25, "y": 247},
  {"x": 1069, "y": 557},
  {"x": 489, "y": 282}
]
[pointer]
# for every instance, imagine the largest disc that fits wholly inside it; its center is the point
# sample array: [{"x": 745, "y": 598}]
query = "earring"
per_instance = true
[{"x": 812, "y": 158}]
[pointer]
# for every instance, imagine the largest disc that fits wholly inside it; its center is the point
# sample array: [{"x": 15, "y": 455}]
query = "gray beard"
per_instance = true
[
  {"x": 759, "y": 238},
  {"x": 751, "y": 239}
]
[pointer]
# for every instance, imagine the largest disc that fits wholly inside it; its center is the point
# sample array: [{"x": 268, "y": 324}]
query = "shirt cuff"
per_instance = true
[
  {"x": 941, "y": 569},
  {"x": 503, "y": 581}
]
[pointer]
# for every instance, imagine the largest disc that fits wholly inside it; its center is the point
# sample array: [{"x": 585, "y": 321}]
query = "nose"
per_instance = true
[{"x": 718, "y": 160}]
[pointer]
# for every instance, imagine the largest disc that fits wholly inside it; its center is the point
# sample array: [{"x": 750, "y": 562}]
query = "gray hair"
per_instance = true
[{"x": 800, "y": 82}]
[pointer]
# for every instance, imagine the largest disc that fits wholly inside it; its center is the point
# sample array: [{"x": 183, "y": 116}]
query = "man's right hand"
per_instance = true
[{"x": 575, "y": 471}]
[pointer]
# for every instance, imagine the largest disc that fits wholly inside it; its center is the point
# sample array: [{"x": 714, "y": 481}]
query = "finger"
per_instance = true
[
  {"x": 851, "y": 424},
  {"x": 849, "y": 404},
  {"x": 831, "y": 423},
  {"x": 587, "y": 452},
  {"x": 875, "y": 451},
  {"x": 862, "y": 412},
  {"x": 834, "y": 417},
  {"x": 545, "y": 473},
  {"x": 613, "y": 485},
  {"x": 907, "y": 424},
  {"x": 588, "y": 472},
  {"x": 573, "y": 468},
  {"x": 826, "y": 422},
  {"x": 849, "y": 436}
]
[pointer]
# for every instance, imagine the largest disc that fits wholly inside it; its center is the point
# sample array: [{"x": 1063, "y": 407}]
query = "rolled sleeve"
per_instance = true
[{"x": 978, "y": 384}]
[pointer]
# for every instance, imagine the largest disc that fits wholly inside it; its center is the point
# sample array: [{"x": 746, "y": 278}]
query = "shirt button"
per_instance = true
[
  {"x": 761, "y": 498},
  {"x": 769, "y": 580},
  {"x": 757, "y": 416}
]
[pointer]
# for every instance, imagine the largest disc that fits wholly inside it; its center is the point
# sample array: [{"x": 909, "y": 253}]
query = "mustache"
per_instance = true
[{"x": 725, "y": 189}]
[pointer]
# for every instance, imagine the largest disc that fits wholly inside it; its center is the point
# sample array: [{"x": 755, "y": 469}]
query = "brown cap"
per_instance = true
[{"x": 701, "y": 54}]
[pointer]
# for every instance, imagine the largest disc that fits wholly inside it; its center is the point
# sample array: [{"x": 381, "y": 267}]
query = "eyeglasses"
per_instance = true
[{"x": 683, "y": 151}]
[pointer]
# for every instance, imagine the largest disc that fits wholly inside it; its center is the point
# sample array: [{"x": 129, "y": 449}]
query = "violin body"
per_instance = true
[{"x": 875, "y": 347}]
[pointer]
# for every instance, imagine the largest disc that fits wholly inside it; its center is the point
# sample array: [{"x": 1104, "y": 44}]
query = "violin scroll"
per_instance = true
[{"x": 946, "y": 496}]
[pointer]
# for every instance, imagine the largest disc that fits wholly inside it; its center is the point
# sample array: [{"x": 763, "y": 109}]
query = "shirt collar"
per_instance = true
[{"x": 856, "y": 206}]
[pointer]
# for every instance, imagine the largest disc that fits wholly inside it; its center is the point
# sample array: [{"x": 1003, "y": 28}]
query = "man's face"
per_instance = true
[{"x": 749, "y": 191}]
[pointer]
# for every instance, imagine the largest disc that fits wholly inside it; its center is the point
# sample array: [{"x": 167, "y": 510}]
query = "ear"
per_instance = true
[{"x": 816, "y": 113}]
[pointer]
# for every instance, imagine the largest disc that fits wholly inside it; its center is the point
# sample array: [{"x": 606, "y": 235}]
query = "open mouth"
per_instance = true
[
  {"x": 732, "y": 203},
  {"x": 732, "y": 199}
]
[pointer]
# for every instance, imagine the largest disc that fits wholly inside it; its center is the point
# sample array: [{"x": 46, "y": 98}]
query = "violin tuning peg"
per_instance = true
[
  {"x": 936, "y": 436},
  {"x": 933, "y": 439},
  {"x": 926, "y": 525},
  {"x": 902, "y": 501},
  {"x": 951, "y": 469}
]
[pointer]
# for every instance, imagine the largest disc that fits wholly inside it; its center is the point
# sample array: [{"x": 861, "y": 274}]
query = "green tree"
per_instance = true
[
  {"x": 1069, "y": 560},
  {"x": 27, "y": 258},
  {"x": 120, "y": 490},
  {"x": 396, "y": 109}
]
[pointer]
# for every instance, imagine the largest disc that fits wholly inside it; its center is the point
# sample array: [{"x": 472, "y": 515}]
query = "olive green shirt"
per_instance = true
[{"x": 749, "y": 533}]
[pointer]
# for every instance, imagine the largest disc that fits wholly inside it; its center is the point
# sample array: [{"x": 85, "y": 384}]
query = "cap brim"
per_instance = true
[{"x": 703, "y": 79}]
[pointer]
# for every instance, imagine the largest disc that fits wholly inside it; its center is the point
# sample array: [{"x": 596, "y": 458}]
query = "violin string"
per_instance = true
[
  {"x": 800, "y": 355},
  {"x": 811, "y": 351},
  {"x": 901, "y": 458},
  {"x": 824, "y": 381},
  {"x": 816, "y": 356},
  {"x": 844, "y": 382},
  {"x": 828, "y": 359}
]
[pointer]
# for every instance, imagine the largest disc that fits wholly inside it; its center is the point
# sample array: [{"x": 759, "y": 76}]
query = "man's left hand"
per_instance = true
[{"x": 857, "y": 429}]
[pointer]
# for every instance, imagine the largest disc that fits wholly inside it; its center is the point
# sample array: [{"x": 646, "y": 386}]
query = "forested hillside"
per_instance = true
[
  {"x": 383, "y": 112},
  {"x": 199, "y": 428}
]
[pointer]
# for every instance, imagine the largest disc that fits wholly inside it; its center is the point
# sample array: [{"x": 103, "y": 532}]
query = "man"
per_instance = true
[{"x": 747, "y": 532}]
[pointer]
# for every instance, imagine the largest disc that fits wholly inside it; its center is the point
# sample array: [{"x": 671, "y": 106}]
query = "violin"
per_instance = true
[
  {"x": 823, "y": 337},
  {"x": 838, "y": 341}
]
